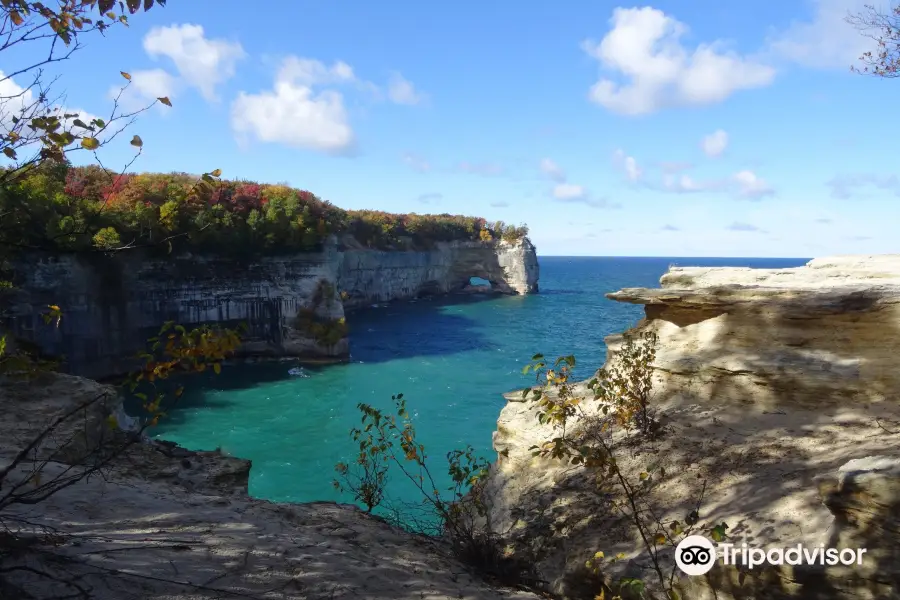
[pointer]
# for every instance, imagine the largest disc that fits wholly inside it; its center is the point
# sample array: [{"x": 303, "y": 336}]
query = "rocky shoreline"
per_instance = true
[{"x": 777, "y": 388}]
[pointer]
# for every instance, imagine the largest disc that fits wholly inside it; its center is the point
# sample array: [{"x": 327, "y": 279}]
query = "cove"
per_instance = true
[{"x": 452, "y": 358}]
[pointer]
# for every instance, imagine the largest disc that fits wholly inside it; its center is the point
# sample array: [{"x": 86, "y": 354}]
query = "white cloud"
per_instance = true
[
  {"x": 293, "y": 114},
  {"x": 715, "y": 143},
  {"x": 568, "y": 191},
  {"x": 751, "y": 186},
  {"x": 19, "y": 102},
  {"x": 310, "y": 72},
  {"x": 552, "y": 170},
  {"x": 826, "y": 40},
  {"x": 145, "y": 87},
  {"x": 686, "y": 184},
  {"x": 628, "y": 165},
  {"x": 402, "y": 91},
  {"x": 644, "y": 47},
  {"x": 202, "y": 63}
]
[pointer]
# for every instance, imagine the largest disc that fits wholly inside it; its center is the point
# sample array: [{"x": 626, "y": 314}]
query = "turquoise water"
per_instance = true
[{"x": 451, "y": 360}]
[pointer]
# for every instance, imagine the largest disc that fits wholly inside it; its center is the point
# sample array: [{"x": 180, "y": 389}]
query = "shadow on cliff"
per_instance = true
[{"x": 789, "y": 389}]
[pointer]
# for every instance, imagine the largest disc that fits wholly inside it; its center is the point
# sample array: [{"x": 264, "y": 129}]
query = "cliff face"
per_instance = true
[
  {"x": 293, "y": 305},
  {"x": 772, "y": 387}
]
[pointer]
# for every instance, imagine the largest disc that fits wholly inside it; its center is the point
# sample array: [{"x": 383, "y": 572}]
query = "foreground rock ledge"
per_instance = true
[
  {"x": 165, "y": 524},
  {"x": 771, "y": 382}
]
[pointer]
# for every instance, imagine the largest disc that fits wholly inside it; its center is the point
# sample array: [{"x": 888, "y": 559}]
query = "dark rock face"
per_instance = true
[{"x": 292, "y": 305}]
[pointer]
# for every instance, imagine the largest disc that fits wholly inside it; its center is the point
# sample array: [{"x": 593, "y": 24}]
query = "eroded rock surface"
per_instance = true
[
  {"x": 767, "y": 381},
  {"x": 164, "y": 523}
]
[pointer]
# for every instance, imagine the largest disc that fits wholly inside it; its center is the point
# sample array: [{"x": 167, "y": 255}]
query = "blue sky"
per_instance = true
[{"x": 699, "y": 128}]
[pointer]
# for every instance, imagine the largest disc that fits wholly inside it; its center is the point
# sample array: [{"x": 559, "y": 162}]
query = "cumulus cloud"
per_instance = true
[
  {"x": 564, "y": 191},
  {"x": 293, "y": 114},
  {"x": 628, "y": 165},
  {"x": 715, "y": 143},
  {"x": 848, "y": 186},
  {"x": 552, "y": 170},
  {"x": 644, "y": 48},
  {"x": 685, "y": 184},
  {"x": 201, "y": 62},
  {"x": 311, "y": 72},
  {"x": 20, "y": 102},
  {"x": 145, "y": 87},
  {"x": 825, "y": 40},
  {"x": 568, "y": 191},
  {"x": 745, "y": 184},
  {"x": 750, "y": 185},
  {"x": 402, "y": 91}
]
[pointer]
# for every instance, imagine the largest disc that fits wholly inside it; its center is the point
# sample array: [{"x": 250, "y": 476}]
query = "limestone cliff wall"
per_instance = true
[
  {"x": 766, "y": 382},
  {"x": 112, "y": 304}
]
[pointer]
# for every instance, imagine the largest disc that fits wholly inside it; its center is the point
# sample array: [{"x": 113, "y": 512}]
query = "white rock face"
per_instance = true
[{"x": 767, "y": 381}]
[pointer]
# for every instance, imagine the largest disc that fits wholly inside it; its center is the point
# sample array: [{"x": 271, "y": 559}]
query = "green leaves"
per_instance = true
[{"x": 717, "y": 533}]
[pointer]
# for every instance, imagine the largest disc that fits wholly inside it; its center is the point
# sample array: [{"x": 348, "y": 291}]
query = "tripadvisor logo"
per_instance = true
[{"x": 696, "y": 555}]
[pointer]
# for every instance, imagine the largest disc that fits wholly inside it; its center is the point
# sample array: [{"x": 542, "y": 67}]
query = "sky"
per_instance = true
[{"x": 702, "y": 128}]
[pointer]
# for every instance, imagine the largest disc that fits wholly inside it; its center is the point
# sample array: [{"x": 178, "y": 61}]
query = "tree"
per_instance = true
[
  {"x": 884, "y": 28},
  {"x": 35, "y": 124}
]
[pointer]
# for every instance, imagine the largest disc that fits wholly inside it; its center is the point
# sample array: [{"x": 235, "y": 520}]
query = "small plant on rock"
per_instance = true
[
  {"x": 594, "y": 421},
  {"x": 458, "y": 513}
]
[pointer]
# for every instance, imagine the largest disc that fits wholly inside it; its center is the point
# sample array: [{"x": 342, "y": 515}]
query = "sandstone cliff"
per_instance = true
[
  {"x": 774, "y": 386},
  {"x": 293, "y": 305}
]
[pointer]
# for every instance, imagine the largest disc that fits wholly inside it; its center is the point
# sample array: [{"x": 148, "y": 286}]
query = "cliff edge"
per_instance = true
[
  {"x": 162, "y": 522},
  {"x": 294, "y": 305},
  {"x": 779, "y": 389}
]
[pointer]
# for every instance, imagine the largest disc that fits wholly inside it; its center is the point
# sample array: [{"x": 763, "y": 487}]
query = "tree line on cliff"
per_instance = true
[{"x": 59, "y": 207}]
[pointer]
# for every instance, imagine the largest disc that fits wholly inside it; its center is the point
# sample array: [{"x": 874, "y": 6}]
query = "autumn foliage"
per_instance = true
[{"x": 59, "y": 207}]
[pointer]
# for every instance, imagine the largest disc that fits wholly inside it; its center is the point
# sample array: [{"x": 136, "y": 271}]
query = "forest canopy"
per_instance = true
[{"x": 58, "y": 207}]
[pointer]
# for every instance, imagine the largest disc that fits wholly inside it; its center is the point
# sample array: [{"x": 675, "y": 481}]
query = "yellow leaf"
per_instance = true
[
  {"x": 165, "y": 100},
  {"x": 217, "y": 368},
  {"x": 90, "y": 143},
  {"x": 112, "y": 421},
  {"x": 216, "y": 173},
  {"x": 125, "y": 75}
]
